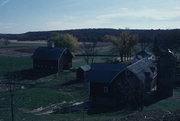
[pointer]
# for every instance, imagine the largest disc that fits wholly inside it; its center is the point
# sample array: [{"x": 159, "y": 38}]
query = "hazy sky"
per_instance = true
[{"x": 19, "y": 16}]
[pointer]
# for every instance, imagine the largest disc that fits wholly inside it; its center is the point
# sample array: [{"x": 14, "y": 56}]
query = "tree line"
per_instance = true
[
  {"x": 96, "y": 35},
  {"x": 124, "y": 43}
]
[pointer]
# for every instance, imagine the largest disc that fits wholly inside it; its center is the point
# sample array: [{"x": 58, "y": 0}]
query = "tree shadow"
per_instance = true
[
  {"x": 90, "y": 110},
  {"x": 28, "y": 74},
  {"x": 71, "y": 82},
  {"x": 99, "y": 110},
  {"x": 155, "y": 97}
]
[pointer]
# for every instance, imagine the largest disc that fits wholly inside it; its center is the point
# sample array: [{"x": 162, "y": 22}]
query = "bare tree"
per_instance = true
[
  {"x": 123, "y": 44},
  {"x": 89, "y": 50}
]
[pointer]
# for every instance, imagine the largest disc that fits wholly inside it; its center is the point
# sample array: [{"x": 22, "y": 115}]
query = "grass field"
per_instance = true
[
  {"x": 83, "y": 116},
  {"x": 57, "y": 91},
  {"x": 10, "y": 64}
]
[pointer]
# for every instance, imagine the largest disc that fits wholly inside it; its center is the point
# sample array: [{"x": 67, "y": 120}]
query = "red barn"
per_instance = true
[{"x": 52, "y": 59}]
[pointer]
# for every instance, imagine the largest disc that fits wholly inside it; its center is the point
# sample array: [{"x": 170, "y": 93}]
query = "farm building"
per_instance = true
[
  {"x": 81, "y": 72},
  {"x": 118, "y": 84},
  {"x": 166, "y": 65},
  {"x": 143, "y": 54},
  {"x": 52, "y": 59}
]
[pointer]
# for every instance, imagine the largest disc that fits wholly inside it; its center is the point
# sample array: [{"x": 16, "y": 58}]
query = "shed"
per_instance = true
[
  {"x": 52, "y": 59},
  {"x": 81, "y": 72}
]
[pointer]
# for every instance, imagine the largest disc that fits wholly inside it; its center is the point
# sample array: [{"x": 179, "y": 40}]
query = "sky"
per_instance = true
[{"x": 20, "y": 16}]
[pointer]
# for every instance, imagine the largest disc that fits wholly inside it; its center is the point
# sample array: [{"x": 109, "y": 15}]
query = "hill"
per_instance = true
[
  {"x": 87, "y": 34},
  {"x": 164, "y": 38}
]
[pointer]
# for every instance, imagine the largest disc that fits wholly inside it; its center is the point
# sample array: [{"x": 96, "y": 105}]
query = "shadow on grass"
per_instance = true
[
  {"x": 87, "y": 107},
  {"x": 99, "y": 110},
  {"x": 123, "y": 109},
  {"x": 155, "y": 97},
  {"x": 28, "y": 74},
  {"x": 71, "y": 82}
]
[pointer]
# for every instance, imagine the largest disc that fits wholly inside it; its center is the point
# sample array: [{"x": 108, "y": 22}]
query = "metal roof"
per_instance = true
[
  {"x": 85, "y": 67},
  {"x": 134, "y": 60},
  {"x": 104, "y": 72},
  {"x": 142, "y": 54},
  {"x": 140, "y": 67},
  {"x": 48, "y": 53}
]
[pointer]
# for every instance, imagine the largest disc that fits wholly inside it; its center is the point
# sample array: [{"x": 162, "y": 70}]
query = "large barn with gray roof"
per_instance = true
[
  {"x": 52, "y": 59},
  {"x": 115, "y": 84}
]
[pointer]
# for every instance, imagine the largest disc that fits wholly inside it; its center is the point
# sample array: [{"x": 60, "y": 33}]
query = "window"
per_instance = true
[{"x": 106, "y": 90}]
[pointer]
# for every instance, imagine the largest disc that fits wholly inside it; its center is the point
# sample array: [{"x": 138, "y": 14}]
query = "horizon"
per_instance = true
[
  {"x": 38, "y": 15},
  {"x": 93, "y": 28}
]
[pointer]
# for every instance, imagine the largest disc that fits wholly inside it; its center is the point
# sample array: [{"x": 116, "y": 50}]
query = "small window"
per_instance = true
[{"x": 106, "y": 90}]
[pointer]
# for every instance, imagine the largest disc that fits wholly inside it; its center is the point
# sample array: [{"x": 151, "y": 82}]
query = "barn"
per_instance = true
[
  {"x": 118, "y": 84},
  {"x": 52, "y": 59},
  {"x": 81, "y": 72}
]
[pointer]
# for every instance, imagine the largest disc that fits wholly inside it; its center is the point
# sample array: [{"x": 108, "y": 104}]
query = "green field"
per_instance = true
[{"x": 49, "y": 90}]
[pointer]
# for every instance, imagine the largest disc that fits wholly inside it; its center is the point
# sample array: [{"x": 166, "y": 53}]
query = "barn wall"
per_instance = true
[
  {"x": 80, "y": 74},
  {"x": 65, "y": 62},
  {"x": 104, "y": 101},
  {"x": 97, "y": 90},
  {"x": 45, "y": 65}
]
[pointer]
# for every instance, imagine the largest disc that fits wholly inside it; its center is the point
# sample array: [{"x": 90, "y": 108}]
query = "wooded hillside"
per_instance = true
[{"x": 168, "y": 37}]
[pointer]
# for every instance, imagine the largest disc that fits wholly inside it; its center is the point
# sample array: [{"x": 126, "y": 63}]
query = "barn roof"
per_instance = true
[
  {"x": 85, "y": 67},
  {"x": 134, "y": 60},
  {"x": 48, "y": 53},
  {"x": 143, "y": 54},
  {"x": 104, "y": 72},
  {"x": 140, "y": 67}
]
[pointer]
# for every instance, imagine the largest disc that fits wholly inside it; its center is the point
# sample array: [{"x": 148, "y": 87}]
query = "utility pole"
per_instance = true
[{"x": 12, "y": 101}]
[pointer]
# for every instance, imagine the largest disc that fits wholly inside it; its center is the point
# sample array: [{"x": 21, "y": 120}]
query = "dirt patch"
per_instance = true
[{"x": 43, "y": 110}]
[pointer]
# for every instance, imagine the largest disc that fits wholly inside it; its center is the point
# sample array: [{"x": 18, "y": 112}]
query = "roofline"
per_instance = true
[
  {"x": 61, "y": 56},
  {"x": 137, "y": 62},
  {"x": 117, "y": 75},
  {"x": 113, "y": 77}
]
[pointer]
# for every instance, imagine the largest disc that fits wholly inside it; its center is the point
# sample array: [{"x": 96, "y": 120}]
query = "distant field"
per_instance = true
[
  {"x": 20, "y": 48},
  {"x": 24, "y": 43}
]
